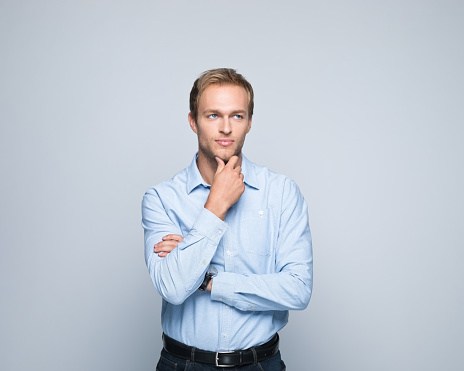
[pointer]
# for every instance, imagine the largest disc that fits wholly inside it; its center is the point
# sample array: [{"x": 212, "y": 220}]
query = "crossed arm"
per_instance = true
[
  {"x": 177, "y": 273},
  {"x": 169, "y": 243},
  {"x": 226, "y": 189}
]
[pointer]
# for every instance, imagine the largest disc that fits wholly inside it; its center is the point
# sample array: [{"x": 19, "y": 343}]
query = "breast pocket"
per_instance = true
[{"x": 257, "y": 232}]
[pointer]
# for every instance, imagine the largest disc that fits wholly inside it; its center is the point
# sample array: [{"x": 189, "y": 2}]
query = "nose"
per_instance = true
[{"x": 226, "y": 127}]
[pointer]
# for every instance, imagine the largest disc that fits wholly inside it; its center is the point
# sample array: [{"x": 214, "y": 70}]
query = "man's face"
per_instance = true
[{"x": 222, "y": 122}]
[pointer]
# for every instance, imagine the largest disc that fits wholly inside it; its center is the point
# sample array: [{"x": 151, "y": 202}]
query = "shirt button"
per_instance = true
[
  {"x": 228, "y": 253},
  {"x": 219, "y": 232},
  {"x": 252, "y": 308},
  {"x": 225, "y": 334},
  {"x": 205, "y": 262},
  {"x": 261, "y": 212}
]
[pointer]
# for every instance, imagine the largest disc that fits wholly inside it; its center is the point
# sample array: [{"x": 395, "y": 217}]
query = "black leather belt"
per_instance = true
[{"x": 222, "y": 359}]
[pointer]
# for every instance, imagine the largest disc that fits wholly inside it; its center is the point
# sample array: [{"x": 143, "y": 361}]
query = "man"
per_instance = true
[{"x": 227, "y": 242}]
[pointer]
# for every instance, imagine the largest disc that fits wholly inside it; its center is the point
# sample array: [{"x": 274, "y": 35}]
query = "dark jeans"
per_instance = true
[{"x": 168, "y": 362}]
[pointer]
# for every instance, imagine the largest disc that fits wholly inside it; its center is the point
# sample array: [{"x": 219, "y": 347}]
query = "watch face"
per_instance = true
[{"x": 212, "y": 271}]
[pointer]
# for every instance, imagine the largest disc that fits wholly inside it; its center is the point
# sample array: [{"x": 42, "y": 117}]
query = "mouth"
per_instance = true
[{"x": 225, "y": 142}]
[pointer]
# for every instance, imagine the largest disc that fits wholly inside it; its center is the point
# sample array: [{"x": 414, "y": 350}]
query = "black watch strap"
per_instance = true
[
  {"x": 210, "y": 273},
  {"x": 204, "y": 284}
]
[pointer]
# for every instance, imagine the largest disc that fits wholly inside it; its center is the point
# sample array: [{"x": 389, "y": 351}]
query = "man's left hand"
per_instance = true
[{"x": 169, "y": 243}]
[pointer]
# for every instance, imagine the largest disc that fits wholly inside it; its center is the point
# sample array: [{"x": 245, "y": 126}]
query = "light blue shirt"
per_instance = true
[{"x": 262, "y": 252}]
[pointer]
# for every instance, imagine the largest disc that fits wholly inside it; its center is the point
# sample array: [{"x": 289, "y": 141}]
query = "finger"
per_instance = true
[
  {"x": 232, "y": 161},
  {"x": 165, "y": 246},
  {"x": 175, "y": 237},
  {"x": 238, "y": 169},
  {"x": 242, "y": 177},
  {"x": 221, "y": 165},
  {"x": 163, "y": 254},
  {"x": 159, "y": 251}
]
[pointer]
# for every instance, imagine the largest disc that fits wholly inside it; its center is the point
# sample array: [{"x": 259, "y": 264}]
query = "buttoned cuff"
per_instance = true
[
  {"x": 224, "y": 288},
  {"x": 210, "y": 226}
]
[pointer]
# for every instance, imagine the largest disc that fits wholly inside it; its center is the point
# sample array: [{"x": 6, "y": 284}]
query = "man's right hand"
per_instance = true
[
  {"x": 169, "y": 243},
  {"x": 227, "y": 187}
]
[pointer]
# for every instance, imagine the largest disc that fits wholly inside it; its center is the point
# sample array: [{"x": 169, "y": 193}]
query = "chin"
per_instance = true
[
  {"x": 226, "y": 157},
  {"x": 223, "y": 154}
]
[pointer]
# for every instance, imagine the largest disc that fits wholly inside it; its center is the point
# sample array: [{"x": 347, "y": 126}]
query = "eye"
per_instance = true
[
  {"x": 238, "y": 117},
  {"x": 212, "y": 116}
]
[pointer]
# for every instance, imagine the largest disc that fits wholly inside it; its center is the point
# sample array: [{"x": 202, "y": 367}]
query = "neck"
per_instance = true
[{"x": 208, "y": 166}]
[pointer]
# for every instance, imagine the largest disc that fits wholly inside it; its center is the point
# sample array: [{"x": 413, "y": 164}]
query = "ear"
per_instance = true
[
  {"x": 192, "y": 123},
  {"x": 249, "y": 125}
]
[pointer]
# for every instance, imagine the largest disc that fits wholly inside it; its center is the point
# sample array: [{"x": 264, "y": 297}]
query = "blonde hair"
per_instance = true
[{"x": 220, "y": 76}]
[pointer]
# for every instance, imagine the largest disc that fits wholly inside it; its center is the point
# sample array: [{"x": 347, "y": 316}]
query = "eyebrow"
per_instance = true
[{"x": 217, "y": 111}]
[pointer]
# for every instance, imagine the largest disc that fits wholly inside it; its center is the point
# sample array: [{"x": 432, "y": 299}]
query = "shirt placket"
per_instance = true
[{"x": 226, "y": 312}]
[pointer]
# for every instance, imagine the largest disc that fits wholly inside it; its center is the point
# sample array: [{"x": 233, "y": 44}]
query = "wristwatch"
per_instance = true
[{"x": 210, "y": 273}]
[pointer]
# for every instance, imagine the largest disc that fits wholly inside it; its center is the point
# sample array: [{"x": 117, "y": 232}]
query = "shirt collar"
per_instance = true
[
  {"x": 249, "y": 173},
  {"x": 194, "y": 178}
]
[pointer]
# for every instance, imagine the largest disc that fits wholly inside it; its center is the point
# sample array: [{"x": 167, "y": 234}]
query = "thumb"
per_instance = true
[{"x": 221, "y": 165}]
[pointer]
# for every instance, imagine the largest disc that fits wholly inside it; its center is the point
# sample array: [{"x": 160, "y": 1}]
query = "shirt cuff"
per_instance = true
[
  {"x": 210, "y": 226},
  {"x": 224, "y": 288}
]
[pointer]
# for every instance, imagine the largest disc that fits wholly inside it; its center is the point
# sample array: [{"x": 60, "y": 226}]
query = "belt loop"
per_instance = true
[
  {"x": 255, "y": 356},
  {"x": 192, "y": 355}
]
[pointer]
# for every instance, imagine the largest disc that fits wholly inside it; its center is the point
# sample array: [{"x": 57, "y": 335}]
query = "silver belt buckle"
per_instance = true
[{"x": 217, "y": 359}]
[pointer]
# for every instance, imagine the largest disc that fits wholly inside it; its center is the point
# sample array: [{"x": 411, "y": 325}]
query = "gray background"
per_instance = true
[{"x": 360, "y": 102}]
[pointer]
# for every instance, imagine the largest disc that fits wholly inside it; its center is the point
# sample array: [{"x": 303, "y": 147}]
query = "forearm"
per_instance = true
[
  {"x": 286, "y": 290},
  {"x": 179, "y": 274}
]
